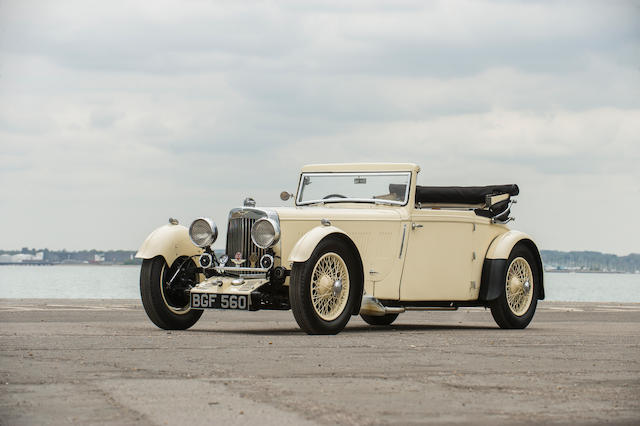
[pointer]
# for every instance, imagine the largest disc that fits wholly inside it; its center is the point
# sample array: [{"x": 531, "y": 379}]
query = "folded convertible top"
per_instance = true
[
  {"x": 462, "y": 194},
  {"x": 455, "y": 194}
]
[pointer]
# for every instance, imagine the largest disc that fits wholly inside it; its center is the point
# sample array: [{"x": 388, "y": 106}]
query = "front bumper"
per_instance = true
[{"x": 231, "y": 286}]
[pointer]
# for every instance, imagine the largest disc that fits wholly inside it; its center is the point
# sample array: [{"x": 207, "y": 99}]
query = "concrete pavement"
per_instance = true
[{"x": 103, "y": 362}]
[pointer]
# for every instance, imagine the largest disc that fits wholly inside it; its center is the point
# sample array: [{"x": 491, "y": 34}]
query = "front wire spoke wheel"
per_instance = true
[
  {"x": 329, "y": 286},
  {"x": 167, "y": 305},
  {"x": 174, "y": 295},
  {"x": 326, "y": 289}
]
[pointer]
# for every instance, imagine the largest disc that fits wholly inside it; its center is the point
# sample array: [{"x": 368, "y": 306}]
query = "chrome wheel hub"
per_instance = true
[{"x": 337, "y": 288}]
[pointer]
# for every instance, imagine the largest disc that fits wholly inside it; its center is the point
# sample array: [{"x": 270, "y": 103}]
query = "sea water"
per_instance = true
[{"x": 123, "y": 282}]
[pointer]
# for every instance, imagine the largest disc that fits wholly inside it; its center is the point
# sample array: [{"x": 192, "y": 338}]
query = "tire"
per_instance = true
[
  {"x": 317, "y": 305},
  {"x": 168, "y": 309},
  {"x": 515, "y": 306},
  {"x": 379, "y": 320}
]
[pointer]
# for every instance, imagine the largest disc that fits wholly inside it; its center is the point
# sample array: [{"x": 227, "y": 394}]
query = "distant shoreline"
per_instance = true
[
  {"x": 553, "y": 271},
  {"x": 564, "y": 271},
  {"x": 583, "y": 262}
]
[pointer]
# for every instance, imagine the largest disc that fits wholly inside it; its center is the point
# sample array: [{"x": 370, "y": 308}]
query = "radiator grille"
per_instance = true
[{"x": 239, "y": 240}]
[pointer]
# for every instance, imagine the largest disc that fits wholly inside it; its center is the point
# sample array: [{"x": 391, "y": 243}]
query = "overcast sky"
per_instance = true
[{"x": 116, "y": 115}]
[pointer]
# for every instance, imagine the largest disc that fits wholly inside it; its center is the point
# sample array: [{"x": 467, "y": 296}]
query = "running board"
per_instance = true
[{"x": 372, "y": 306}]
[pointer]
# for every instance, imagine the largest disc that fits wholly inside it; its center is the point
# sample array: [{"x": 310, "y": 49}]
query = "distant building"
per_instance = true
[
  {"x": 19, "y": 258},
  {"x": 22, "y": 258}
]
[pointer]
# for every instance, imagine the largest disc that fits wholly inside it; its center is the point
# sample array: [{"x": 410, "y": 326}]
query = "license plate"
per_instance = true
[{"x": 219, "y": 301}]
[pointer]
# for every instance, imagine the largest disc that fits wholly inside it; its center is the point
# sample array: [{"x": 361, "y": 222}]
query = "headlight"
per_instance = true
[
  {"x": 203, "y": 232},
  {"x": 265, "y": 233}
]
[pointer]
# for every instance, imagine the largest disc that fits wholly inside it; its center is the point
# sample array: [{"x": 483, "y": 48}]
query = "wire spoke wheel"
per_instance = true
[
  {"x": 174, "y": 295},
  {"x": 519, "y": 286},
  {"x": 326, "y": 289},
  {"x": 164, "y": 292},
  {"x": 329, "y": 286}
]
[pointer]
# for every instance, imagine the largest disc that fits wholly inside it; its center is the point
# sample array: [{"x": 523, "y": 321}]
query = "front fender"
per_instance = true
[
  {"x": 169, "y": 241},
  {"x": 303, "y": 249},
  {"x": 494, "y": 268},
  {"x": 301, "y": 252}
]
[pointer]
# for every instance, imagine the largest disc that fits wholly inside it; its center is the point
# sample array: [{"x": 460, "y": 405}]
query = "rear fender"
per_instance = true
[
  {"x": 494, "y": 268},
  {"x": 169, "y": 241}
]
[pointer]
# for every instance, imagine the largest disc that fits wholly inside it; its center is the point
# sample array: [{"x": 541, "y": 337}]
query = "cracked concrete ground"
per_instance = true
[{"x": 103, "y": 362}]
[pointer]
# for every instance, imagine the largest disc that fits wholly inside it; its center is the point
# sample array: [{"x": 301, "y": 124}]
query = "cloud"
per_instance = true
[{"x": 114, "y": 116}]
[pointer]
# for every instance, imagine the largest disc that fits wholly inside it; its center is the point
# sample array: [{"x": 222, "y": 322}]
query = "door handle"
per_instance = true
[{"x": 415, "y": 225}]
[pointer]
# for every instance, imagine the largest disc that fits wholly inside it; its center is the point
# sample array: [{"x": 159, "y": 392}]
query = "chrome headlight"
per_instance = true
[
  {"x": 265, "y": 232},
  {"x": 203, "y": 232}
]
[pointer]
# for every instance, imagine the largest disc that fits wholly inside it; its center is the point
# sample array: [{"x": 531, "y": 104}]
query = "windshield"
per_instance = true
[{"x": 388, "y": 188}]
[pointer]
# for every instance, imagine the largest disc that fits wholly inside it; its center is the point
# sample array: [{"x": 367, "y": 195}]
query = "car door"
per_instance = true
[{"x": 438, "y": 263}]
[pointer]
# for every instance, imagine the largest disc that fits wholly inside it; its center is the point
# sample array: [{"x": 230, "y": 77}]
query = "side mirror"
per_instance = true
[{"x": 284, "y": 195}]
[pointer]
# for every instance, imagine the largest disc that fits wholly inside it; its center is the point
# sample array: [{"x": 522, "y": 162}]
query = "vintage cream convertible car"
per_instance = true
[{"x": 362, "y": 239}]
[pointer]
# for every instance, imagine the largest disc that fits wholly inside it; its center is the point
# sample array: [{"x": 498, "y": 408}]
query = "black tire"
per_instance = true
[
  {"x": 501, "y": 311},
  {"x": 379, "y": 320},
  {"x": 168, "y": 308},
  {"x": 300, "y": 289}
]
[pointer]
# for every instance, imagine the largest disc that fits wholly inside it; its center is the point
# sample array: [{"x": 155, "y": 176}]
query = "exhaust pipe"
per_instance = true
[{"x": 372, "y": 306}]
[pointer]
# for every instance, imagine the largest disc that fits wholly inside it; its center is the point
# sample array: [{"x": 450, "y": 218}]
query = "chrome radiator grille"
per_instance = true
[{"x": 239, "y": 240}]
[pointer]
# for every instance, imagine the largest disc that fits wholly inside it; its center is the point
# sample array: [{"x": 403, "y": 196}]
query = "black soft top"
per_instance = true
[
  {"x": 462, "y": 194},
  {"x": 456, "y": 194}
]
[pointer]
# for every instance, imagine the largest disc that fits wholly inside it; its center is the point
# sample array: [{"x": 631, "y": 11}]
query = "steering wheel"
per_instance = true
[{"x": 333, "y": 196}]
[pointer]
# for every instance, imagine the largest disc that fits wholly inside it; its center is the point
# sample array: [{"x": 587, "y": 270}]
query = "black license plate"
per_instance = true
[{"x": 219, "y": 301}]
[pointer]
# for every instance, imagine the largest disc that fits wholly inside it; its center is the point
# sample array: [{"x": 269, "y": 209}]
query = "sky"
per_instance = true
[{"x": 115, "y": 116}]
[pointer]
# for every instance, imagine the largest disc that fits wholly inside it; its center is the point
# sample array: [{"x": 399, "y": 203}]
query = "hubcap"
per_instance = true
[
  {"x": 329, "y": 286},
  {"x": 518, "y": 286},
  {"x": 337, "y": 288}
]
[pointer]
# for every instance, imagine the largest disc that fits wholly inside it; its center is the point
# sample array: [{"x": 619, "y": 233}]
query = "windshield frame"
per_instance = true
[{"x": 354, "y": 200}]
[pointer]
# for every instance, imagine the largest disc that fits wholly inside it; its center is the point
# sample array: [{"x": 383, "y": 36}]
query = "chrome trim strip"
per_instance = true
[
  {"x": 222, "y": 269},
  {"x": 431, "y": 308},
  {"x": 404, "y": 231},
  {"x": 242, "y": 271}
]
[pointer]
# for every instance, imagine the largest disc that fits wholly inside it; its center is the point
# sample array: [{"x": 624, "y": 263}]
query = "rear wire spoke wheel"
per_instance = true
[
  {"x": 518, "y": 286},
  {"x": 515, "y": 306},
  {"x": 166, "y": 301},
  {"x": 323, "y": 290}
]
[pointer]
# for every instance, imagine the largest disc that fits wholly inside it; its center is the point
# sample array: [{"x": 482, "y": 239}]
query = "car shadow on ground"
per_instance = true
[{"x": 266, "y": 331}]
